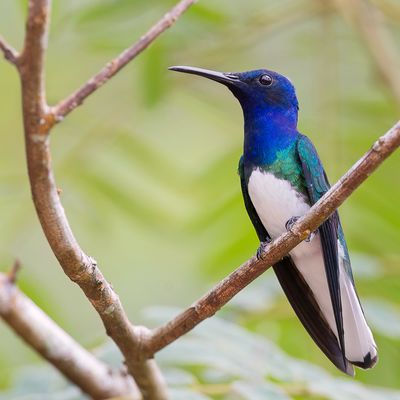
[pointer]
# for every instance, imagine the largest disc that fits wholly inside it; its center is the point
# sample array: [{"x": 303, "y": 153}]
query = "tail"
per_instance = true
[
  {"x": 311, "y": 303},
  {"x": 360, "y": 347}
]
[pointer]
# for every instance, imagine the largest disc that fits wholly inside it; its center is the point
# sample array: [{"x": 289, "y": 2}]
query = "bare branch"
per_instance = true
[
  {"x": 369, "y": 21},
  {"x": 218, "y": 296},
  {"x": 114, "y": 66},
  {"x": 78, "y": 266},
  {"x": 12, "y": 275},
  {"x": 52, "y": 343},
  {"x": 9, "y": 52},
  {"x": 31, "y": 64}
]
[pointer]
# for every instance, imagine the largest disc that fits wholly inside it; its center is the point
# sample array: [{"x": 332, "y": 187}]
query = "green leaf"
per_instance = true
[
  {"x": 258, "y": 391},
  {"x": 383, "y": 317}
]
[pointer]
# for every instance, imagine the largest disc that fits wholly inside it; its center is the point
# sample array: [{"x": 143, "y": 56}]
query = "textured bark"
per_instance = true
[
  {"x": 38, "y": 121},
  {"x": 42, "y": 334},
  {"x": 9, "y": 53}
]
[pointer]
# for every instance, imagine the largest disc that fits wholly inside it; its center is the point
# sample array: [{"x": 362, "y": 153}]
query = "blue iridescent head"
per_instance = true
[{"x": 261, "y": 93}]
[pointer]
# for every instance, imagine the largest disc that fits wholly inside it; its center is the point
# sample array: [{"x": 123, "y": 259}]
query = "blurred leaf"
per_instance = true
[
  {"x": 105, "y": 10},
  {"x": 259, "y": 295},
  {"x": 365, "y": 266},
  {"x": 41, "y": 383},
  {"x": 258, "y": 391},
  {"x": 209, "y": 13},
  {"x": 152, "y": 76},
  {"x": 383, "y": 316},
  {"x": 186, "y": 394},
  {"x": 179, "y": 377}
]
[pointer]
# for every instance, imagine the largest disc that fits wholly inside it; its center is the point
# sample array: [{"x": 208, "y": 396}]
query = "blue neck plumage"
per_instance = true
[{"x": 268, "y": 130}]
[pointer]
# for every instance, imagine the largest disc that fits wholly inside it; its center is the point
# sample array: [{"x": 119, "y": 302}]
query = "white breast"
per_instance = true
[{"x": 275, "y": 201}]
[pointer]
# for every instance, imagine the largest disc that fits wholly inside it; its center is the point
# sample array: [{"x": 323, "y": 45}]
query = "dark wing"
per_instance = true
[
  {"x": 307, "y": 310},
  {"x": 258, "y": 225},
  {"x": 297, "y": 291},
  {"x": 317, "y": 185}
]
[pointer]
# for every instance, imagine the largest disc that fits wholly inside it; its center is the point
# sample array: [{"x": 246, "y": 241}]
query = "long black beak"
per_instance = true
[{"x": 226, "y": 78}]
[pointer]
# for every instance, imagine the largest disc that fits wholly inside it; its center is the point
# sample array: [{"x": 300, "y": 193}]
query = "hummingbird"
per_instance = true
[{"x": 281, "y": 177}]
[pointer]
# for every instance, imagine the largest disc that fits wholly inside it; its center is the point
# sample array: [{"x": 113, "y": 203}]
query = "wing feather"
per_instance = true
[{"x": 317, "y": 184}]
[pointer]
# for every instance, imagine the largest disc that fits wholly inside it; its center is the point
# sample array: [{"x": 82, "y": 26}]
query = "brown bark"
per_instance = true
[
  {"x": 38, "y": 121},
  {"x": 42, "y": 334}
]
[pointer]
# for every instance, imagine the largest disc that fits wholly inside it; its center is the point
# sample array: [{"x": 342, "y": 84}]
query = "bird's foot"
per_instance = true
[
  {"x": 262, "y": 248},
  {"x": 289, "y": 224},
  {"x": 311, "y": 236}
]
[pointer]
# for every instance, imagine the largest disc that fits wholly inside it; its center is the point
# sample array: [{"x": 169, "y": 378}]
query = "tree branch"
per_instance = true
[
  {"x": 218, "y": 296},
  {"x": 78, "y": 266},
  {"x": 31, "y": 65},
  {"x": 10, "y": 54},
  {"x": 113, "y": 67},
  {"x": 78, "y": 365}
]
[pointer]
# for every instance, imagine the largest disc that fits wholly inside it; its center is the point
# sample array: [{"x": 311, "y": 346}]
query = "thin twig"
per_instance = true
[
  {"x": 12, "y": 275},
  {"x": 9, "y": 52},
  {"x": 218, "y": 296},
  {"x": 78, "y": 365},
  {"x": 74, "y": 100}
]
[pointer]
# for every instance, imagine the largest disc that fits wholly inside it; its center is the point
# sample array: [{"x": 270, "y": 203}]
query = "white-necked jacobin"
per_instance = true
[{"x": 282, "y": 177}]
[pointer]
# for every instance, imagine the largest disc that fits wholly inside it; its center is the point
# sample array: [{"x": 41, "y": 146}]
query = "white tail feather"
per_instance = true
[{"x": 358, "y": 338}]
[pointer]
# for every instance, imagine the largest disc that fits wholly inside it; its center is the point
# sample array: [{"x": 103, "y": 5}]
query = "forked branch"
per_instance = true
[
  {"x": 40, "y": 332},
  {"x": 9, "y": 52},
  {"x": 78, "y": 266},
  {"x": 114, "y": 66}
]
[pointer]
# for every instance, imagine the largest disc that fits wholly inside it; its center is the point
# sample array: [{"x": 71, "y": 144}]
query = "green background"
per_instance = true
[{"x": 147, "y": 166}]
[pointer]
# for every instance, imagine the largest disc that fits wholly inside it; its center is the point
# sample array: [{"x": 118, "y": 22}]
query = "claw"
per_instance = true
[
  {"x": 311, "y": 236},
  {"x": 289, "y": 224},
  {"x": 262, "y": 248}
]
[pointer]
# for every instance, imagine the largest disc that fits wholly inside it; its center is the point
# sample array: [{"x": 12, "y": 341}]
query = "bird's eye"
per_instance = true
[{"x": 265, "y": 80}]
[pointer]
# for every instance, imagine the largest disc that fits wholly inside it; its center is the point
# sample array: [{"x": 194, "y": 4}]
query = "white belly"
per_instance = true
[{"x": 276, "y": 201}]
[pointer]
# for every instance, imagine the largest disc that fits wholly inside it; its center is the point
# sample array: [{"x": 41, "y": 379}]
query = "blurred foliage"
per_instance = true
[
  {"x": 147, "y": 169},
  {"x": 216, "y": 361}
]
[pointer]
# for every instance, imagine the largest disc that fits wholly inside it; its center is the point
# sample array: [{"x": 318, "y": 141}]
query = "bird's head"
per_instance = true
[{"x": 257, "y": 91}]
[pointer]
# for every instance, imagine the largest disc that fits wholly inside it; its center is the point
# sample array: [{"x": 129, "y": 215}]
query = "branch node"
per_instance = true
[
  {"x": 10, "y": 54},
  {"x": 143, "y": 334},
  {"x": 377, "y": 146},
  {"x": 13, "y": 274}
]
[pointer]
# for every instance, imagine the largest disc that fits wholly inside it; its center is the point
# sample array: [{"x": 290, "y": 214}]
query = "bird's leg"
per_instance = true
[
  {"x": 263, "y": 247},
  {"x": 290, "y": 222}
]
